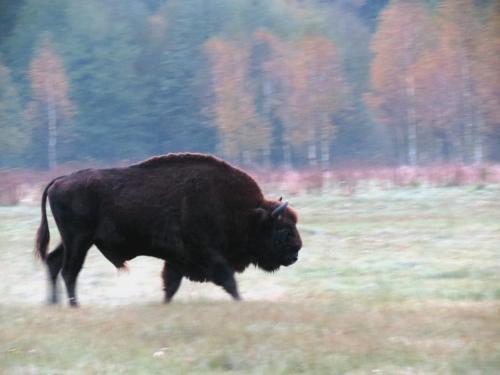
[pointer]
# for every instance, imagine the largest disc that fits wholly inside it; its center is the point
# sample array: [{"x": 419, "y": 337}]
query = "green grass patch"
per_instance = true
[{"x": 394, "y": 281}]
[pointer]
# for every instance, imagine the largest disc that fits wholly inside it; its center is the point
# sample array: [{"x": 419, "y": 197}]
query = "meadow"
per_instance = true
[{"x": 390, "y": 281}]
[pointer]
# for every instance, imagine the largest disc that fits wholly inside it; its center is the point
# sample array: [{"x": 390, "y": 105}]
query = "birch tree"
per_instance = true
[
  {"x": 51, "y": 103},
  {"x": 313, "y": 90},
  {"x": 460, "y": 19},
  {"x": 243, "y": 134},
  {"x": 402, "y": 36},
  {"x": 487, "y": 76},
  {"x": 438, "y": 100}
]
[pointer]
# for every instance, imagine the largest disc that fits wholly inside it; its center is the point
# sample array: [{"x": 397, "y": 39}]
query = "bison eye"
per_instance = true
[{"x": 283, "y": 233}]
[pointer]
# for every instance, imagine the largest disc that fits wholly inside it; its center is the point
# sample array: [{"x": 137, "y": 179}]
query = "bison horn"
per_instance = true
[{"x": 278, "y": 210}]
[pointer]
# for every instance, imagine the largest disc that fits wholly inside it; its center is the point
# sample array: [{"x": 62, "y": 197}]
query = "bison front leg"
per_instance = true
[
  {"x": 223, "y": 276},
  {"x": 171, "y": 281}
]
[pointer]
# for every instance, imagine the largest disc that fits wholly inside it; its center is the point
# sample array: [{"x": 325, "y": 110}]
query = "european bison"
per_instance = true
[{"x": 205, "y": 218}]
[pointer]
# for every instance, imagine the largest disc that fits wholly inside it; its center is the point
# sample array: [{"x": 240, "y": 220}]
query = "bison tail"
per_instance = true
[{"x": 43, "y": 234}]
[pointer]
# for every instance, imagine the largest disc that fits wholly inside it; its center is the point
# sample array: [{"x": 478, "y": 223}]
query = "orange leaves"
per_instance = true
[
  {"x": 438, "y": 71},
  {"x": 242, "y": 132},
  {"x": 304, "y": 88},
  {"x": 403, "y": 33},
  {"x": 460, "y": 21},
  {"x": 50, "y": 95},
  {"x": 316, "y": 89},
  {"x": 312, "y": 87},
  {"x": 48, "y": 80},
  {"x": 487, "y": 71},
  {"x": 437, "y": 87}
]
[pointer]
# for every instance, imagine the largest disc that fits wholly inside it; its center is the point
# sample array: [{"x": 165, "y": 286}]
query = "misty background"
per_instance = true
[
  {"x": 379, "y": 121},
  {"x": 266, "y": 83}
]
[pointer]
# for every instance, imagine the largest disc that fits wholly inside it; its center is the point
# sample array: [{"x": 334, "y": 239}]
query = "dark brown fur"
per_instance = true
[{"x": 205, "y": 218}]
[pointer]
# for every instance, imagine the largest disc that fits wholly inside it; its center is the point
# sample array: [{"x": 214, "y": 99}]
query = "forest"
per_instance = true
[{"x": 265, "y": 82}]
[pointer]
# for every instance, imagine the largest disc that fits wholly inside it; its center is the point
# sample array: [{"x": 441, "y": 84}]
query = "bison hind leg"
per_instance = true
[
  {"x": 76, "y": 248},
  {"x": 54, "y": 265}
]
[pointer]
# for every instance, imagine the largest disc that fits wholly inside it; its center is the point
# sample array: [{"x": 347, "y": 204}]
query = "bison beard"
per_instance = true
[{"x": 205, "y": 218}]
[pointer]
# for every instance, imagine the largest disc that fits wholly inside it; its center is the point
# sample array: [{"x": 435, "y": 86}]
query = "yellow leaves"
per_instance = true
[
  {"x": 313, "y": 86},
  {"x": 404, "y": 32},
  {"x": 451, "y": 58},
  {"x": 438, "y": 86},
  {"x": 487, "y": 71},
  {"x": 241, "y": 130},
  {"x": 48, "y": 80},
  {"x": 305, "y": 83}
]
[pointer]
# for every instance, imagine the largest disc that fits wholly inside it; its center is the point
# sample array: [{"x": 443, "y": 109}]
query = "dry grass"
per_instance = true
[
  {"x": 399, "y": 281},
  {"x": 254, "y": 337}
]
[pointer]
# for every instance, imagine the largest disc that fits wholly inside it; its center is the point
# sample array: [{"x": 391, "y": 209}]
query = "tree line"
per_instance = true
[
  {"x": 296, "y": 83},
  {"x": 435, "y": 80}
]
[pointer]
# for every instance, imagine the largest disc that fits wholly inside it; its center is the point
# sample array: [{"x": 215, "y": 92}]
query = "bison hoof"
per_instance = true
[{"x": 53, "y": 300}]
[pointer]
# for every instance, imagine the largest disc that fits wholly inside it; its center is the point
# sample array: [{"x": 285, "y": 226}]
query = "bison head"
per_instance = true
[{"x": 276, "y": 239}]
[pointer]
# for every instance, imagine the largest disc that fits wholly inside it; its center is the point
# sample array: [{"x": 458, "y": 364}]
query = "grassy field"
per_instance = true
[{"x": 402, "y": 281}]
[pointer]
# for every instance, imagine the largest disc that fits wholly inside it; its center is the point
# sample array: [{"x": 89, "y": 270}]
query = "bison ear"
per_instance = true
[{"x": 261, "y": 215}]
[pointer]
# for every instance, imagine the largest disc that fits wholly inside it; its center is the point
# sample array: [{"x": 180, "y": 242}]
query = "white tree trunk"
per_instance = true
[
  {"x": 325, "y": 162},
  {"x": 266, "y": 156},
  {"x": 287, "y": 155},
  {"x": 52, "y": 132},
  {"x": 312, "y": 152},
  {"x": 478, "y": 143},
  {"x": 468, "y": 113},
  {"x": 411, "y": 119},
  {"x": 325, "y": 155}
]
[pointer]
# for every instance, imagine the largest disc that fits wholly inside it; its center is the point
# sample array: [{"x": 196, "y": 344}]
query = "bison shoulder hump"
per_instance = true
[
  {"x": 180, "y": 158},
  {"x": 235, "y": 177}
]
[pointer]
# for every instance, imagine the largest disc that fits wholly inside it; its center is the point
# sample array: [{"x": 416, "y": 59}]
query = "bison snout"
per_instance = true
[{"x": 291, "y": 257}]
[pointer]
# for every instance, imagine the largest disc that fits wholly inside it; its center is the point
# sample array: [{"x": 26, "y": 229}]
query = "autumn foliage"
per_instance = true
[
  {"x": 435, "y": 79},
  {"x": 51, "y": 104},
  {"x": 243, "y": 133},
  {"x": 295, "y": 84},
  {"x": 303, "y": 87}
]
